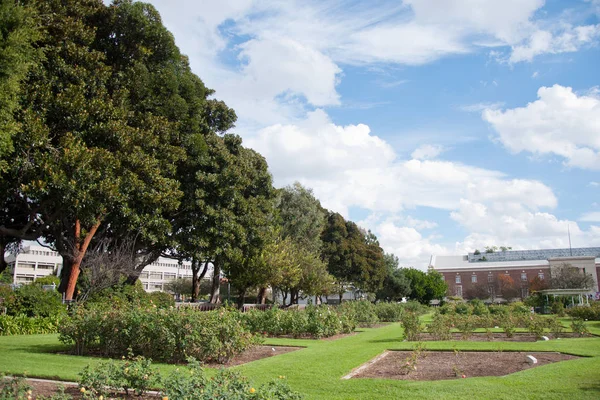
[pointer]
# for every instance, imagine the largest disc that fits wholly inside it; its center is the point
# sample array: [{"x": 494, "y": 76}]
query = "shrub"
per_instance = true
[
  {"x": 466, "y": 324},
  {"x": 441, "y": 327},
  {"x": 412, "y": 326},
  {"x": 14, "y": 388},
  {"x": 536, "y": 325},
  {"x": 191, "y": 383},
  {"x": 591, "y": 313},
  {"x": 578, "y": 327},
  {"x": 388, "y": 312},
  {"x": 314, "y": 321},
  {"x": 415, "y": 307},
  {"x": 161, "y": 299},
  {"x": 479, "y": 307},
  {"x": 508, "y": 324},
  {"x": 161, "y": 334},
  {"x": 462, "y": 309},
  {"x": 110, "y": 377},
  {"x": 498, "y": 310},
  {"x": 364, "y": 312},
  {"x": 518, "y": 308},
  {"x": 33, "y": 301},
  {"x": 555, "y": 326},
  {"x": 558, "y": 308},
  {"x": 47, "y": 280},
  {"x": 24, "y": 325}
]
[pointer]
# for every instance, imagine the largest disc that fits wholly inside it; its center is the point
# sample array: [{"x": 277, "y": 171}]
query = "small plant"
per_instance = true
[
  {"x": 578, "y": 327},
  {"x": 537, "y": 325},
  {"x": 555, "y": 326},
  {"x": 458, "y": 372},
  {"x": 441, "y": 327},
  {"x": 412, "y": 326},
  {"x": 508, "y": 325},
  {"x": 15, "y": 388},
  {"x": 410, "y": 363},
  {"x": 489, "y": 334},
  {"x": 466, "y": 324},
  {"x": 61, "y": 395}
]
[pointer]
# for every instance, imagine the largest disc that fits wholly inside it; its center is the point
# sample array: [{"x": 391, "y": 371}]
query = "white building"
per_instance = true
[
  {"x": 36, "y": 261},
  {"x": 33, "y": 262}
]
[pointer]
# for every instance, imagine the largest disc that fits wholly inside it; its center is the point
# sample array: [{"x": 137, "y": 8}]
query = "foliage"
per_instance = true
[
  {"x": 132, "y": 374},
  {"x": 466, "y": 324},
  {"x": 15, "y": 388},
  {"x": 441, "y": 326},
  {"x": 410, "y": 363},
  {"x": 412, "y": 326},
  {"x": 426, "y": 286},
  {"x": 395, "y": 285},
  {"x": 32, "y": 301},
  {"x": 507, "y": 287},
  {"x": 364, "y": 312},
  {"x": 180, "y": 286},
  {"x": 566, "y": 276},
  {"x": 192, "y": 383},
  {"x": 352, "y": 255},
  {"x": 161, "y": 334},
  {"x": 314, "y": 321},
  {"x": 578, "y": 327},
  {"x": 389, "y": 312},
  {"x": 25, "y": 325},
  {"x": 479, "y": 307},
  {"x": 558, "y": 308},
  {"x": 477, "y": 291},
  {"x": 47, "y": 280},
  {"x": 161, "y": 299},
  {"x": 518, "y": 308},
  {"x": 591, "y": 313}
]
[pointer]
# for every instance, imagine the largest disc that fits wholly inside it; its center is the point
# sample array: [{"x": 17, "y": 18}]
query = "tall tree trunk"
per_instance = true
[
  {"x": 80, "y": 249},
  {"x": 197, "y": 277},
  {"x": 215, "y": 290},
  {"x": 3, "y": 264},
  {"x": 262, "y": 295},
  {"x": 241, "y": 298}
]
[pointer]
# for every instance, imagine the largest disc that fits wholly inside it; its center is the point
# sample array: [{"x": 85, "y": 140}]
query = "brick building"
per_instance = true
[{"x": 472, "y": 273}]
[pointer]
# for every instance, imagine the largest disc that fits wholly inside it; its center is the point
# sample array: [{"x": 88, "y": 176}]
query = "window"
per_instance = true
[
  {"x": 155, "y": 275},
  {"x": 459, "y": 291},
  {"x": 541, "y": 275},
  {"x": 156, "y": 287},
  {"x": 490, "y": 278},
  {"x": 144, "y": 275},
  {"x": 457, "y": 278},
  {"x": 169, "y": 275},
  {"x": 45, "y": 266},
  {"x": 523, "y": 276},
  {"x": 473, "y": 278}
]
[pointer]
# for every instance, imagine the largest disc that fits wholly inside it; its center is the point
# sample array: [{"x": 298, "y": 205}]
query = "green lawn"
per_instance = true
[{"x": 316, "y": 369}]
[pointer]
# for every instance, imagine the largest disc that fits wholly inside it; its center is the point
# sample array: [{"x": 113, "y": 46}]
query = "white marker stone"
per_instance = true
[
  {"x": 531, "y": 359},
  {"x": 545, "y": 338}
]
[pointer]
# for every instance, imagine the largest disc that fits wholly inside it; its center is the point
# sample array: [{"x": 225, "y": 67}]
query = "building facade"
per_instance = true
[
  {"x": 33, "y": 262},
  {"x": 471, "y": 274}
]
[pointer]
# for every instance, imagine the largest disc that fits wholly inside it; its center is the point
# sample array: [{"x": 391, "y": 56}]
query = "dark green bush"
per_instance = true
[
  {"x": 412, "y": 326},
  {"x": 161, "y": 299},
  {"x": 24, "y": 325},
  {"x": 32, "y": 300},
  {"x": 389, "y": 312},
  {"x": 169, "y": 335},
  {"x": 363, "y": 310},
  {"x": 591, "y": 313}
]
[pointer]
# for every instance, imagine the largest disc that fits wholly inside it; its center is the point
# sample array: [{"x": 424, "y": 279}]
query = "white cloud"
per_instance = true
[
  {"x": 560, "y": 122},
  {"x": 535, "y": 74},
  {"x": 569, "y": 39},
  {"x": 594, "y": 184},
  {"x": 271, "y": 60},
  {"x": 427, "y": 151},
  {"x": 591, "y": 217}
]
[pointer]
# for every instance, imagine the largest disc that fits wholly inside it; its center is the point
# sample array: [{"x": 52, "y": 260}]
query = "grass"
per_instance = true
[{"x": 316, "y": 369}]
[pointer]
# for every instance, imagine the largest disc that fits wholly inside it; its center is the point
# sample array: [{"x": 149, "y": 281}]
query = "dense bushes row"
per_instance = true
[
  {"x": 591, "y": 313},
  {"x": 366, "y": 313},
  {"x": 169, "y": 335},
  {"x": 24, "y": 325},
  {"x": 478, "y": 307},
  {"x": 32, "y": 301},
  {"x": 313, "y": 321}
]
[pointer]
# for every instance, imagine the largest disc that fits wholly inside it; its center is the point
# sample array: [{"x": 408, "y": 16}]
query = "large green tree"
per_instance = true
[
  {"x": 426, "y": 286},
  {"x": 395, "y": 285},
  {"x": 353, "y": 256}
]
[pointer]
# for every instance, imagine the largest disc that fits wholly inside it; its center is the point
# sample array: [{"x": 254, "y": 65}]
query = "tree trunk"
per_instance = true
[
  {"x": 216, "y": 284},
  {"x": 79, "y": 252},
  {"x": 262, "y": 295},
  {"x": 3, "y": 264},
  {"x": 196, "y": 278},
  {"x": 241, "y": 298}
]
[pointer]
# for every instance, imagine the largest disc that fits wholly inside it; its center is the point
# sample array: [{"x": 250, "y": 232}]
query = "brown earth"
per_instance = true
[
  {"x": 438, "y": 365},
  {"x": 496, "y": 337}
]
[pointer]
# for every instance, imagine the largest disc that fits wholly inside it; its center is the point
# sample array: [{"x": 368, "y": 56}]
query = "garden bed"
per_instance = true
[
  {"x": 49, "y": 388},
  {"x": 441, "y": 365},
  {"x": 498, "y": 337}
]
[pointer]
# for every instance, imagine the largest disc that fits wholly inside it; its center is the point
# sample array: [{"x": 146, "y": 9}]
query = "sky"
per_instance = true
[{"x": 443, "y": 126}]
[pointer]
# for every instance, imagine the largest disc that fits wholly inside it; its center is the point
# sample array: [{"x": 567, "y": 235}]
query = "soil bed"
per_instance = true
[
  {"x": 496, "y": 337},
  {"x": 439, "y": 365},
  {"x": 334, "y": 337},
  {"x": 47, "y": 389}
]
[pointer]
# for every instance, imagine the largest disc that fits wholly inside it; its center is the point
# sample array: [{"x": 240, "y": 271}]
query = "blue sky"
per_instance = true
[{"x": 441, "y": 125}]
